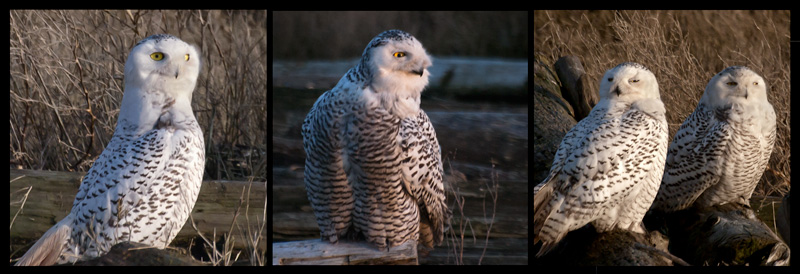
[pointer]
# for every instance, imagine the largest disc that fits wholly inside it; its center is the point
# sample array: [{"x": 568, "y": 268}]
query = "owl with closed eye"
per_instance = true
[
  {"x": 721, "y": 150},
  {"x": 608, "y": 167},
  {"x": 144, "y": 185},
  {"x": 373, "y": 167}
]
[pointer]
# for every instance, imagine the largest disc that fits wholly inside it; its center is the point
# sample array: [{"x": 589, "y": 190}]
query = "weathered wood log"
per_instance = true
[
  {"x": 136, "y": 254},
  {"x": 586, "y": 247},
  {"x": 53, "y": 192},
  {"x": 575, "y": 87},
  {"x": 728, "y": 234},
  {"x": 318, "y": 252},
  {"x": 783, "y": 219}
]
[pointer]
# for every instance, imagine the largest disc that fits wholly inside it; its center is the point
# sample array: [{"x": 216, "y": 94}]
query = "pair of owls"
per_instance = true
[{"x": 614, "y": 165}]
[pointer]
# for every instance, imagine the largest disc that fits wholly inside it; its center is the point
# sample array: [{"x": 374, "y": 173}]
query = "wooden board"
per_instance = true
[{"x": 53, "y": 192}]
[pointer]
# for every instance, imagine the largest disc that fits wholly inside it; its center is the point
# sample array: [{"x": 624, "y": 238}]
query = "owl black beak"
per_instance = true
[
  {"x": 616, "y": 90},
  {"x": 419, "y": 72}
]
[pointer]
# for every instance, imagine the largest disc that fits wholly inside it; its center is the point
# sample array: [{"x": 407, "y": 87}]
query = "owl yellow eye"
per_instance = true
[
  {"x": 731, "y": 83},
  {"x": 635, "y": 81},
  {"x": 399, "y": 54},
  {"x": 755, "y": 83},
  {"x": 157, "y": 56},
  {"x": 187, "y": 57}
]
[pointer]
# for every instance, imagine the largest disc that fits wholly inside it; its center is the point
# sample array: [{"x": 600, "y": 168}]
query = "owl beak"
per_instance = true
[
  {"x": 617, "y": 91},
  {"x": 419, "y": 72}
]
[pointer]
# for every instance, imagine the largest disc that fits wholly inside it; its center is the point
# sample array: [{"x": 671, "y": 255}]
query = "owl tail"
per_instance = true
[
  {"x": 433, "y": 223},
  {"x": 47, "y": 250}
]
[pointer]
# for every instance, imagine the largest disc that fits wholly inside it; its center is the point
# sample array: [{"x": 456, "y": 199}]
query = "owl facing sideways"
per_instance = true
[
  {"x": 608, "y": 167},
  {"x": 145, "y": 183},
  {"x": 373, "y": 165},
  {"x": 721, "y": 150}
]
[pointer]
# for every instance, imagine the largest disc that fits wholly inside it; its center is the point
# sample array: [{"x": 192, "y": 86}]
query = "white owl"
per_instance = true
[
  {"x": 720, "y": 152},
  {"x": 145, "y": 183},
  {"x": 608, "y": 167},
  {"x": 373, "y": 168}
]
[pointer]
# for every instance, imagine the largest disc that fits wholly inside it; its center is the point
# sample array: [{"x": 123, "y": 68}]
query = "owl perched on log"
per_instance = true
[
  {"x": 373, "y": 165},
  {"x": 721, "y": 150},
  {"x": 608, "y": 167},
  {"x": 145, "y": 183}
]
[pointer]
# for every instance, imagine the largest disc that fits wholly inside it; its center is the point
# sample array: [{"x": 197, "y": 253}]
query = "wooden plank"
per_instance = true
[
  {"x": 54, "y": 191},
  {"x": 318, "y": 252}
]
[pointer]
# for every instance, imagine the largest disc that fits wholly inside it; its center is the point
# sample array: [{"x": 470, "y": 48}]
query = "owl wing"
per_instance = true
[
  {"x": 598, "y": 174},
  {"x": 694, "y": 159},
  {"x": 128, "y": 188},
  {"x": 325, "y": 179},
  {"x": 422, "y": 176}
]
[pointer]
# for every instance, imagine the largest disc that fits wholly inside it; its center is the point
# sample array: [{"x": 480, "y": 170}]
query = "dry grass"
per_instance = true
[
  {"x": 684, "y": 49},
  {"x": 67, "y": 79}
]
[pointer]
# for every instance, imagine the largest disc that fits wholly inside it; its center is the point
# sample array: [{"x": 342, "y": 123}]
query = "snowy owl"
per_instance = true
[
  {"x": 145, "y": 183},
  {"x": 608, "y": 167},
  {"x": 373, "y": 166},
  {"x": 720, "y": 152}
]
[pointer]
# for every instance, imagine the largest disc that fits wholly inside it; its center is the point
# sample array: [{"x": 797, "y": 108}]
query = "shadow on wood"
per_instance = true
[
  {"x": 54, "y": 192},
  {"x": 318, "y": 252},
  {"x": 728, "y": 234},
  {"x": 136, "y": 254},
  {"x": 586, "y": 247}
]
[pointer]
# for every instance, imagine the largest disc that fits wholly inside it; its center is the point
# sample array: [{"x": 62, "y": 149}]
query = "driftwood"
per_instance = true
[
  {"x": 586, "y": 247},
  {"x": 53, "y": 192},
  {"x": 136, "y": 254},
  {"x": 728, "y": 234},
  {"x": 575, "y": 86},
  {"x": 782, "y": 219},
  {"x": 293, "y": 218},
  {"x": 318, "y": 252}
]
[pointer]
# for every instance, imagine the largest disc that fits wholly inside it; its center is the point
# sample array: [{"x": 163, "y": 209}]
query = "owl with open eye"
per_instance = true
[
  {"x": 144, "y": 185},
  {"x": 373, "y": 165}
]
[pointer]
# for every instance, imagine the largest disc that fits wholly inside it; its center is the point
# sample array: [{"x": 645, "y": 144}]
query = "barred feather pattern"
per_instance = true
[
  {"x": 608, "y": 167},
  {"x": 373, "y": 164},
  {"x": 721, "y": 150},
  {"x": 144, "y": 184}
]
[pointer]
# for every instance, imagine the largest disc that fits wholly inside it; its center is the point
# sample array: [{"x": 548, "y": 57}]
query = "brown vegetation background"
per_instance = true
[
  {"x": 66, "y": 74},
  {"x": 684, "y": 49}
]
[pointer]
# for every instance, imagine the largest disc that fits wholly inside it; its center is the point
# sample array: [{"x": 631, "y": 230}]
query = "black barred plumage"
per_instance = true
[
  {"x": 721, "y": 150},
  {"x": 144, "y": 185},
  {"x": 608, "y": 166},
  {"x": 373, "y": 164}
]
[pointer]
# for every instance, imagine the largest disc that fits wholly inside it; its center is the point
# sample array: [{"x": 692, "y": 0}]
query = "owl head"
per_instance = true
[
  {"x": 160, "y": 76},
  {"x": 164, "y": 62},
  {"x": 735, "y": 85},
  {"x": 629, "y": 81},
  {"x": 396, "y": 62}
]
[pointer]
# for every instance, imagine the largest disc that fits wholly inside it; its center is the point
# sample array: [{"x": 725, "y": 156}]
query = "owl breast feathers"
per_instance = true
[
  {"x": 373, "y": 167},
  {"x": 144, "y": 185},
  {"x": 608, "y": 167},
  {"x": 721, "y": 150}
]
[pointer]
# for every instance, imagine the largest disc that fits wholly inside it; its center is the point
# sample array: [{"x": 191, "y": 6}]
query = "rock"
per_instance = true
[{"x": 574, "y": 86}]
